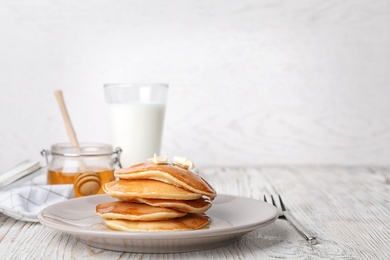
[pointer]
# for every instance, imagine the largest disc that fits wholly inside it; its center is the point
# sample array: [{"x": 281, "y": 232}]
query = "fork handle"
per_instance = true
[{"x": 305, "y": 233}]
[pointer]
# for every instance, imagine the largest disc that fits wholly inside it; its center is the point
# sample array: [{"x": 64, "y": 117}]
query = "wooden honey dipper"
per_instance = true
[{"x": 86, "y": 182}]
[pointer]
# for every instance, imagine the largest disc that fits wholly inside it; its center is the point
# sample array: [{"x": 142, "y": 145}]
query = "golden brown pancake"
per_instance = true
[
  {"x": 135, "y": 211},
  {"x": 150, "y": 189},
  {"x": 190, "y": 206},
  {"x": 168, "y": 173},
  {"x": 188, "y": 222}
]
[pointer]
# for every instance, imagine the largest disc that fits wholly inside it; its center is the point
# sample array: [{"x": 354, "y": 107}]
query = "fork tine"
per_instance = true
[
  {"x": 265, "y": 198},
  {"x": 273, "y": 201},
  {"x": 281, "y": 203}
]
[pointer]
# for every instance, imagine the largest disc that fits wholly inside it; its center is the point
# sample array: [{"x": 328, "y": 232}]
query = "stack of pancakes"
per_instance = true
[{"x": 156, "y": 196}]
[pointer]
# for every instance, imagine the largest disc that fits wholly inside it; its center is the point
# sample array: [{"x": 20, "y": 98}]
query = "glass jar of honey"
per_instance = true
[{"x": 87, "y": 167}]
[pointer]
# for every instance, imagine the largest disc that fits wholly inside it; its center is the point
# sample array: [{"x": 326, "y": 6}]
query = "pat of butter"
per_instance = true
[
  {"x": 183, "y": 162},
  {"x": 159, "y": 159}
]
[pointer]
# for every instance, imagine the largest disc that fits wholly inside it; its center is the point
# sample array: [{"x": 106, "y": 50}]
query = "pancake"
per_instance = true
[
  {"x": 135, "y": 211},
  {"x": 168, "y": 173},
  {"x": 188, "y": 222},
  {"x": 150, "y": 189},
  {"x": 189, "y": 206}
]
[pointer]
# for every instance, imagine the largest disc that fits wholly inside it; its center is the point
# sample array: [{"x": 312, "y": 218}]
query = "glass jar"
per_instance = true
[{"x": 87, "y": 167}]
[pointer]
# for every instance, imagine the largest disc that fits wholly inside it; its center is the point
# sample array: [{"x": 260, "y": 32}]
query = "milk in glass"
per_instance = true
[{"x": 137, "y": 128}]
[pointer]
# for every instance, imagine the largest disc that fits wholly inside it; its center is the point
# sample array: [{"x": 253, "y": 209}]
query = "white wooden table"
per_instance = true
[{"x": 348, "y": 208}]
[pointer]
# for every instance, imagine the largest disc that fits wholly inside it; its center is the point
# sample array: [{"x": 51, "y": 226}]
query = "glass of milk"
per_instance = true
[{"x": 137, "y": 118}]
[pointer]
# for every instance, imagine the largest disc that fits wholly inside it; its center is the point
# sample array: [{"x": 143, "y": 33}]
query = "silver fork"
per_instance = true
[{"x": 285, "y": 214}]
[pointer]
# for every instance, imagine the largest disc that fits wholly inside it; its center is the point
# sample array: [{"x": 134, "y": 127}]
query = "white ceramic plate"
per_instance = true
[{"x": 232, "y": 217}]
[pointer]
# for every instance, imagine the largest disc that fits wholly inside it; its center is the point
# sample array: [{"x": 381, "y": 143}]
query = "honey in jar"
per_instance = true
[{"x": 87, "y": 167}]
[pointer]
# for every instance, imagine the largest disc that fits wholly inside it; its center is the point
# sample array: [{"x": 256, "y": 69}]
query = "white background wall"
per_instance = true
[{"x": 251, "y": 82}]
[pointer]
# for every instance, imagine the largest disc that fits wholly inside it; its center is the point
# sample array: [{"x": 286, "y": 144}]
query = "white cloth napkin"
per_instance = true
[{"x": 26, "y": 201}]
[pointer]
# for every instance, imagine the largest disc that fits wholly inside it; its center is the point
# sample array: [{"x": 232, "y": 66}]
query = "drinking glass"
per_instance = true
[{"x": 137, "y": 117}]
